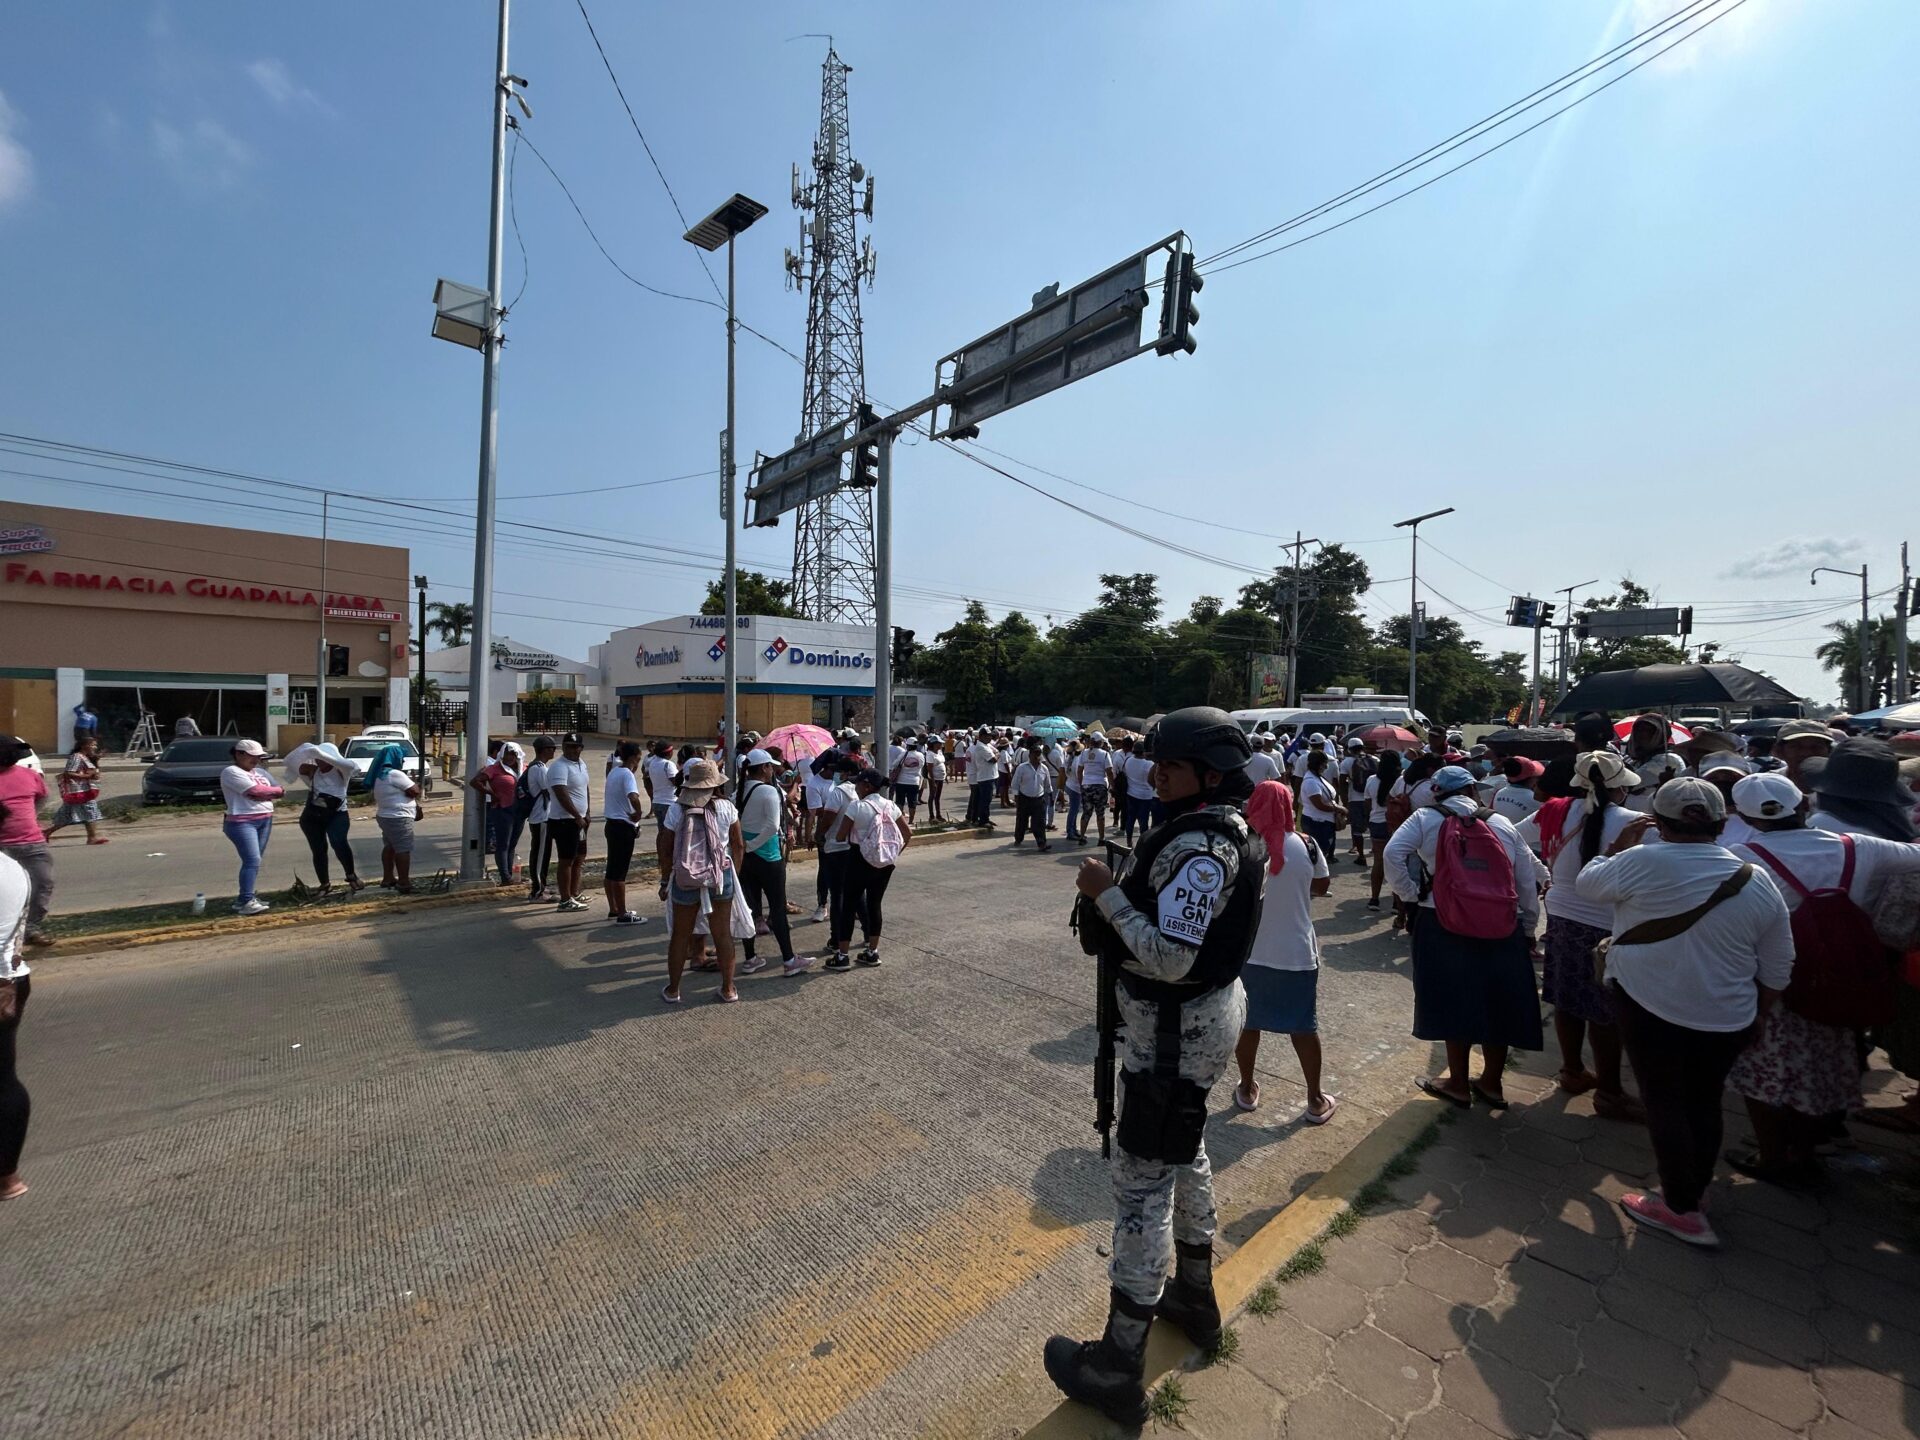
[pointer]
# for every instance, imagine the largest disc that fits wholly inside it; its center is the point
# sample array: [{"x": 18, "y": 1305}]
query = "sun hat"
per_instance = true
[
  {"x": 248, "y": 747},
  {"x": 1614, "y": 774},
  {"x": 1737, "y": 763},
  {"x": 757, "y": 757},
  {"x": 1859, "y": 768},
  {"x": 701, "y": 775},
  {"x": 1766, "y": 797},
  {"x": 1803, "y": 730},
  {"x": 1691, "y": 799},
  {"x": 1452, "y": 780}
]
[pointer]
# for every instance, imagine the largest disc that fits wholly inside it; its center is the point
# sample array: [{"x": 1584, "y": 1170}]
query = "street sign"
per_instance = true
[
  {"x": 1619, "y": 624},
  {"x": 808, "y": 471},
  {"x": 1065, "y": 336},
  {"x": 726, "y": 478}
]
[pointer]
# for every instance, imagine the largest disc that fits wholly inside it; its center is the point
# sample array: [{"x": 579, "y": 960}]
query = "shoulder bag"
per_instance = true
[{"x": 1670, "y": 927}]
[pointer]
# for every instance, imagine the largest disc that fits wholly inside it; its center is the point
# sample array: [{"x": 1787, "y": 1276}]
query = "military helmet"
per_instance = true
[{"x": 1204, "y": 734}]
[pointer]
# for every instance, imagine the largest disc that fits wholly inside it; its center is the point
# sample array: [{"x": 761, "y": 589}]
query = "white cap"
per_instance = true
[
  {"x": 1726, "y": 762},
  {"x": 1766, "y": 797},
  {"x": 758, "y": 757},
  {"x": 248, "y": 747}
]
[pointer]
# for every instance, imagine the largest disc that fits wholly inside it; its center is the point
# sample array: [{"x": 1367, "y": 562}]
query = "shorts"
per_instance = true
[
  {"x": 1282, "y": 1002},
  {"x": 722, "y": 896},
  {"x": 397, "y": 832},
  {"x": 620, "y": 837},
  {"x": 1094, "y": 797},
  {"x": 1379, "y": 830},
  {"x": 569, "y": 839}
]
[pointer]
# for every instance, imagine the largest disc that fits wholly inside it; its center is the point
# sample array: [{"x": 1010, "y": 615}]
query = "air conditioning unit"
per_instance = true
[{"x": 1335, "y": 690}]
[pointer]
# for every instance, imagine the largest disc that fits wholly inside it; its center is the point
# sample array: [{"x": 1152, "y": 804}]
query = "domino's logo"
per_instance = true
[
  {"x": 776, "y": 649},
  {"x": 718, "y": 649}
]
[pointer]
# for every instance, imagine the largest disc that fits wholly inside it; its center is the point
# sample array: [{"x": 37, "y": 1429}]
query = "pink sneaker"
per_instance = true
[{"x": 1650, "y": 1210}]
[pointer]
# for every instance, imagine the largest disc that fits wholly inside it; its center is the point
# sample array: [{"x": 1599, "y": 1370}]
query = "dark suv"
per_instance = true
[{"x": 187, "y": 771}]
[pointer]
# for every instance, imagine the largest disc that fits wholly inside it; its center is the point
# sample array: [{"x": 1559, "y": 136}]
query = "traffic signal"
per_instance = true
[
  {"x": 1580, "y": 627},
  {"x": 902, "y": 649},
  {"x": 1178, "y": 313},
  {"x": 336, "y": 661},
  {"x": 1686, "y": 621},
  {"x": 1517, "y": 610},
  {"x": 1543, "y": 617},
  {"x": 866, "y": 456}
]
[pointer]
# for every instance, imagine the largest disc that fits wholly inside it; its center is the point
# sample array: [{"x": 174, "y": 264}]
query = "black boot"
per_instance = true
[
  {"x": 1188, "y": 1301},
  {"x": 1109, "y": 1373}
]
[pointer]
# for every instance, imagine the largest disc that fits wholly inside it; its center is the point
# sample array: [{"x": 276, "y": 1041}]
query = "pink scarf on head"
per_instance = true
[{"x": 1270, "y": 812}]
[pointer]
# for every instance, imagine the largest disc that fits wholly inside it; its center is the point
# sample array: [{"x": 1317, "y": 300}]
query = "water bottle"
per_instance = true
[{"x": 200, "y": 902}]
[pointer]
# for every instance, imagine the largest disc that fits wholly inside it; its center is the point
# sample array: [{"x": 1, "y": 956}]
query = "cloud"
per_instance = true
[
  {"x": 16, "y": 164},
  {"x": 204, "y": 155},
  {"x": 1791, "y": 557},
  {"x": 277, "y": 83}
]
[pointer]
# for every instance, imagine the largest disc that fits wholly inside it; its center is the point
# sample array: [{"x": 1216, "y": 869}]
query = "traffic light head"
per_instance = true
[
  {"x": 866, "y": 457},
  {"x": 1178, "y": 313}
]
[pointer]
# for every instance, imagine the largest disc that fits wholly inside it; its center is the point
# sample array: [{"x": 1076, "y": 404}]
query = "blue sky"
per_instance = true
[{"x": 1668, "y": 335}]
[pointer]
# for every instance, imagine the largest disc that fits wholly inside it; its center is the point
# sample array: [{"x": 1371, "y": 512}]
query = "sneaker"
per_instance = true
[
  {"x": 838, "y": 961},
  {"x": 798, "y": 965},
  {"x": 1373, "y": 904},
  {"x": 576, "y": 903},
  {"x": 251, "y": 907},
  {"x": 869, "y": 958},
  {"x": 1650, "y": 1210},
  {"x": 751, "y": 965},
  {"x": 819, "y": 917},
  {"x": 629, "y": 918}
]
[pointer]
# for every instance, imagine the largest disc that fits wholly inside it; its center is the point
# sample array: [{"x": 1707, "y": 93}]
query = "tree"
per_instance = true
[
  {"x": 1333, "y": 637},
  {"x": 960, "y": 661},
  {"x": 1842, "y": 653},
  {"x": 1458, "y": 683},
  {"x": 753, "y": 594},
  {"x": 1627, "y": 652},
  {"x": 452, "y": 623}
]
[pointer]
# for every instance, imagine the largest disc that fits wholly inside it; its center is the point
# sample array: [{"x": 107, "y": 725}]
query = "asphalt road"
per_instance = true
[{"x": 463, "y": 1173}]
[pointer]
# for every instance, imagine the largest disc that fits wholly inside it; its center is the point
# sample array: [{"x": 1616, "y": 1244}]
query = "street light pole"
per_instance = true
[
  {"x": 1902, "y": 614},
  {"x": 1413, "y": 606},
  {"x": 320, "y": 669},
  {"x": 1566, "y": 633},
  {"x": 473, "y": 859},
  {"x": 710, "y": 234},
  {"x": 1293, "y": 625},
  {"x": 1863, "y": 687}
]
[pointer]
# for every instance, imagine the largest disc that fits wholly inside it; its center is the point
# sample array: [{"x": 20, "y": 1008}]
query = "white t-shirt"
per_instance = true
[
  {"x": 1419, "y": 797},
  {"x": 15, "y": 891},
  {"x": 1704, "y": 978},
  {"x": 1318, "y": 785},
  {"x": 1376, "y": 802},
  {"x": 569, "y": 776},
  {"x": 661, "y": 773},
  {"x": 1033, "y": 781},
  {"x": 1140, "y": 776},
  {"x": 1353, "y": 770},
  {"x": 1299, "y": 764},
  {"x": 1418, "y": 841},
  {"x": 1073, "y": 775},
  {"x": 835, "y": 803},
  {"x": 236, "y": 782},
  {"x": 1816, "y": 858},
  {"x": 1563, "y": 899},
  {"x": 863, "y": 812},
  {"x": 1262, "y": 767},
  {"x": 729, "y": 817},
  {"x": 1516, "y": 802},
  {"x": 980, "y": 762},
  {"x": 912, "y": 765},
  {"x": 1094, "y": 765},
  {"x": 1007, "y": 762},
  {"x": 894, "y": 754},
  {"x": 936, "y": 765},
  {"x": 537, "y": 788},
  {"x": 1285, "y": 939},
  {"x": 1654, "y": 772},
  {"x": 622, "y": 786},
  {"x": 390, "y": 798},
  {"x": 332, "y": 781}
]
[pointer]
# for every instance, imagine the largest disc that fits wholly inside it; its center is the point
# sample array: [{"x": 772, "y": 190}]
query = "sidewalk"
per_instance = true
[{"x": 1499, "y": 1289}]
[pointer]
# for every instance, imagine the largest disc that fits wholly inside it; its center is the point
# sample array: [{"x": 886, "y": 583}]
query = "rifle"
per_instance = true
[{"x": 1107, "y": 1026}]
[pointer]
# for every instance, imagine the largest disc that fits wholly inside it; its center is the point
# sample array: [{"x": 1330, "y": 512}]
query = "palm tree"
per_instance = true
[
  {"x": 1843, "y": 653},
  {"x": 452, "y": 623}
]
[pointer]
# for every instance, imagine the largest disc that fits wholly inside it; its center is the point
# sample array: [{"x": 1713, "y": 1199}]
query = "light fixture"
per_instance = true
[
  {"x": 723, "y": 224},
  {"x": 460, "y": 314}
]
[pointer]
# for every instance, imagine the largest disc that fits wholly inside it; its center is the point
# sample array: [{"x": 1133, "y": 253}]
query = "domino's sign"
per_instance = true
[
  {"x": 668, "y": 656},
  {"x": 827, "y": 659}
]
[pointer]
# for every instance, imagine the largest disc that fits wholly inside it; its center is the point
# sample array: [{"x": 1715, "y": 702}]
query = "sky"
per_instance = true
[{"x": 1667, "y": 335}]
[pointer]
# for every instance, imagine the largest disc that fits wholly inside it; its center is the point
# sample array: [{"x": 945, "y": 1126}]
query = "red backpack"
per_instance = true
[
  {"x": 1841, "y": 972},
  {"x": 1472, "y": 886}
]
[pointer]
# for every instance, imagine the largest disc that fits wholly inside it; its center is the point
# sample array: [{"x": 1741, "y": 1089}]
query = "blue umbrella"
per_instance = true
[{"x": 1054, "y": 727}]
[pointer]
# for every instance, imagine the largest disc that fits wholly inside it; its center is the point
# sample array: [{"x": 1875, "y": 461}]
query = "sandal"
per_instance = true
[
  {"x": 666, "y": 994},
  {"x": 728, "y": 997},
  {"x": 1241, "y": 1102},
  {"x": 1333, "y": 1104},
  {"x": 1429, "y": 1086},
  {"x": 1576, "y": 1082},
  {"x": 1487, "y": 1097}
]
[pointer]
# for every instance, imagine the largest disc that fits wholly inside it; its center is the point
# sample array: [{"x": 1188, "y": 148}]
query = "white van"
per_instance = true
[
  {"x": 1348, "y": 717},
  {"x": 1268, "y": 722}
]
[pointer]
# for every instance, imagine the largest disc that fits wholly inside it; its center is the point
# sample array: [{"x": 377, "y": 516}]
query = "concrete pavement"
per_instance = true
[{"x": 464, "y": 1173}]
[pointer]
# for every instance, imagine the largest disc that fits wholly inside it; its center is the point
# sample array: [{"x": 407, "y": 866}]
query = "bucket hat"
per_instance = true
[
  {"x": 1857, "y": 769},
  {"x": 1614, "y": 774}
]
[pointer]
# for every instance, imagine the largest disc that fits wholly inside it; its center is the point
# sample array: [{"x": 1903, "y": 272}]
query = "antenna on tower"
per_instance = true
[{"x": 833, "y": 549}]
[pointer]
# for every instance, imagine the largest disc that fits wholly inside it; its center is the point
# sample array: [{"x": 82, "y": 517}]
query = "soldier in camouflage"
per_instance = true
[{"x": 1179, "y": 920}]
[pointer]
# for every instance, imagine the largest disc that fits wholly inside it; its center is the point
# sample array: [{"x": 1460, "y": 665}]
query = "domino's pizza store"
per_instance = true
[{"x": 666, "y": 677}]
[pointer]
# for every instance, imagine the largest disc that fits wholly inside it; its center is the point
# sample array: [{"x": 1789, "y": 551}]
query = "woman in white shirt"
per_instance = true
[
  {"x": 1282, "y": 973},
  {"x": 1378, "y": 787},
  {"x": 863, "y": 826},
  {"x": 16, "y": 1107},
  {"x": 249, "y": 792},
  {"x": 324, "y": 819},
  {"x": 699, "y": 850},
  {"x": 908, "y": 771},
  {"x": 1569, "y": 835},
  {"x": 936, "y": 779},
  {"x": 763, "y": 861},
  {"x": 1320, "y": 803},
  {"x": 396, "y": 805},
  {"x": 539, "y": 844}
]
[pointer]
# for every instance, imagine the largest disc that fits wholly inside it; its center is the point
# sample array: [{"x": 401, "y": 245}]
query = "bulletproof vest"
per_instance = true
[{"x": 1229, "y": 936}]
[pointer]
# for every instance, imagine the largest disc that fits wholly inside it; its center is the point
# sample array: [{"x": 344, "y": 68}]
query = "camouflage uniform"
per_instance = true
[{"x": 1155, "y": 1202}]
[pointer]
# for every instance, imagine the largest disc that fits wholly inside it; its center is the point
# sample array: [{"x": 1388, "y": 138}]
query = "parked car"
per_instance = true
[
  {"x": 188, "y": 770},
  {"x": 363, "y": 747},
  {"x": 386, "y": 732}
]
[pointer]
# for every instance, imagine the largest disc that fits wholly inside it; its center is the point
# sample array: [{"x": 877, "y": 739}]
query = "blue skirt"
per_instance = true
[{"x": 1281, "y": 1002}]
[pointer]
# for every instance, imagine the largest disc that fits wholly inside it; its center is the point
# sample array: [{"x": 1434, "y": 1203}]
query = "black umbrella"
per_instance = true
[
  {"x": 1656, "y": 685},
  {"x": 1759, "y": 727},
  {"x": 1534, "y": 742}
]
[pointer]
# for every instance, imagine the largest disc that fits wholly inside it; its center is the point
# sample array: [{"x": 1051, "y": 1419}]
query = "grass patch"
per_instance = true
[
  {"x": 1371, "y": 1196},
  {"x": 1168, "y": 1401},
  {"x": 1343, "y": 1224},
  {"x": 1309, "y": 1259},
  {"x": 1227, "y": 1349},
  {"x": 1265, "y": 1300}
]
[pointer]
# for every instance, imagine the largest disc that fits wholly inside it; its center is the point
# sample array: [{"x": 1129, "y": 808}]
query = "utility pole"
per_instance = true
[
  {"x": 1293, "y": 625},
  {"x": 1566, "y": 635},
  {"x": 883, "y": 599},
  {"x": 473, "y": 858},
  {"x": 1413, "y": 606},
  {"x": 1864, "y": 687},
  {"x": 1533, "y": 698},
  {"x": 320, "y": 670},
  {"x": 420, "y": 689},
  {"x": 1902, "y": 614}
]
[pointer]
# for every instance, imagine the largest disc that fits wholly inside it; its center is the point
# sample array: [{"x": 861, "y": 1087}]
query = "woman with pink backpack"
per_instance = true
[
  {"x": 875, "y": 832},
  {"x": 1474, "y": 888},
  {"x": 700, "y": 850}
]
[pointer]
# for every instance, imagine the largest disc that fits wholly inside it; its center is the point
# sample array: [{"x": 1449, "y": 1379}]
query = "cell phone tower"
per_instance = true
[{"x": 833, "y": 561}]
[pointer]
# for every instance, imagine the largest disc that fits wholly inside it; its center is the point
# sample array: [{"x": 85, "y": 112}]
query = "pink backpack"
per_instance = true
[
  {"x": 883, "y": 842},
  {"x": 1472, "y": 887}
]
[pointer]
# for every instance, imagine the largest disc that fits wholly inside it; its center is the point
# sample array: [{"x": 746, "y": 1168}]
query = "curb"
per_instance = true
[
  {"x": 1304, "y": 1220},
  {"x": 481, "y": 893}
]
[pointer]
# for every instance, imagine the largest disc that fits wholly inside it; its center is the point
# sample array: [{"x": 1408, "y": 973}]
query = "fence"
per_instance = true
[{"x": 449, "y": 717}]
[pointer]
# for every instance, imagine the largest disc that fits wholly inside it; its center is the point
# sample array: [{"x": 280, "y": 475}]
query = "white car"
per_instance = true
[{"x": 361, "y": 749}]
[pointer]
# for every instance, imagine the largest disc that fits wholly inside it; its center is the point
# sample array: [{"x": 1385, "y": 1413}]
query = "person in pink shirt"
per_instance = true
[
  {"x": 249, "y": 792},
  {"x": 22, "y": 790}
]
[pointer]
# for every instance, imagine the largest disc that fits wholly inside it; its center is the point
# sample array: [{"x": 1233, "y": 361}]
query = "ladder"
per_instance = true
[{"x": 146, "y": 735}]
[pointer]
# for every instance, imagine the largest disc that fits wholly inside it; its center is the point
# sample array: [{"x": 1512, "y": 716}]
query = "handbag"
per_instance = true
[{"x": 1669, "y": 927}]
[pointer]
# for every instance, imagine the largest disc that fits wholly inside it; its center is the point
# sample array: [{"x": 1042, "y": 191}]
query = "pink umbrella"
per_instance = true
[
  {"x": 798, "y": 742},
  {"x": 1675, "y": 733}
]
